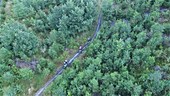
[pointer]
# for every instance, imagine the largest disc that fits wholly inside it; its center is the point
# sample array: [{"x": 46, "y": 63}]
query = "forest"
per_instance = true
[{"x": 129, "y": 56}]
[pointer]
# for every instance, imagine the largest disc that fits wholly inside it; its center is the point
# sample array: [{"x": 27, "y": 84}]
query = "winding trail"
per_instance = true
[{"x": 58, "y": 72}]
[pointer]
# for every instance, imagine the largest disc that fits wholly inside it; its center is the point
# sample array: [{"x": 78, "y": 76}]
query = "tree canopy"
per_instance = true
[{"x": 130, "y": 55}]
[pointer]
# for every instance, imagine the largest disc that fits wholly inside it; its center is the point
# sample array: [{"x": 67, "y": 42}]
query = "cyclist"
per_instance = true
[
  {"x": 65, "y": 63},
  {"x": 89, "y": 39}
]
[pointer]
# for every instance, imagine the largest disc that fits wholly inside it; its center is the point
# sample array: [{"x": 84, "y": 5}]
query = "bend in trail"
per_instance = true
[{"x": 58, "y": 72}]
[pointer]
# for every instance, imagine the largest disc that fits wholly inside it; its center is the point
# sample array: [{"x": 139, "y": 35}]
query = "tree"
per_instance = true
[
  {"x": 5, "y": 55},
  {"x": 73, "y": 17},
  {"x": 26, "y": 74},
  {"x": 20, "y": 40},
  {"x": 25, "y": 43},
  {"x": 156, "y": 38},
  {"x": 21, "y": 11},
  {"x": 55, "y": 50}
]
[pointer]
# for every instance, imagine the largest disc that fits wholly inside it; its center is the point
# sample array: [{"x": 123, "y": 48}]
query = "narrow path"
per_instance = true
[{"x": 58, "y": 72}]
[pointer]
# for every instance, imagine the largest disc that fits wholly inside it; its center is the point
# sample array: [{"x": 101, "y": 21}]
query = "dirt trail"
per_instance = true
[{"x": 58, "y": 72}]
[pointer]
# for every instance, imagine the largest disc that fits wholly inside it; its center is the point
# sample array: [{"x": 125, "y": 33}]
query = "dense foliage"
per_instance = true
[
  {"x": 123, "y": 60},
  {"x": 129, "y": 57}
]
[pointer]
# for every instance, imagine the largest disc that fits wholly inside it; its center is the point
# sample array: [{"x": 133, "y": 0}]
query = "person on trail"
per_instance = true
[
  {"x": 89, "y": 39},
  {"x": 65, "y": 63},
  {"x": 80, "y": 49}
]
